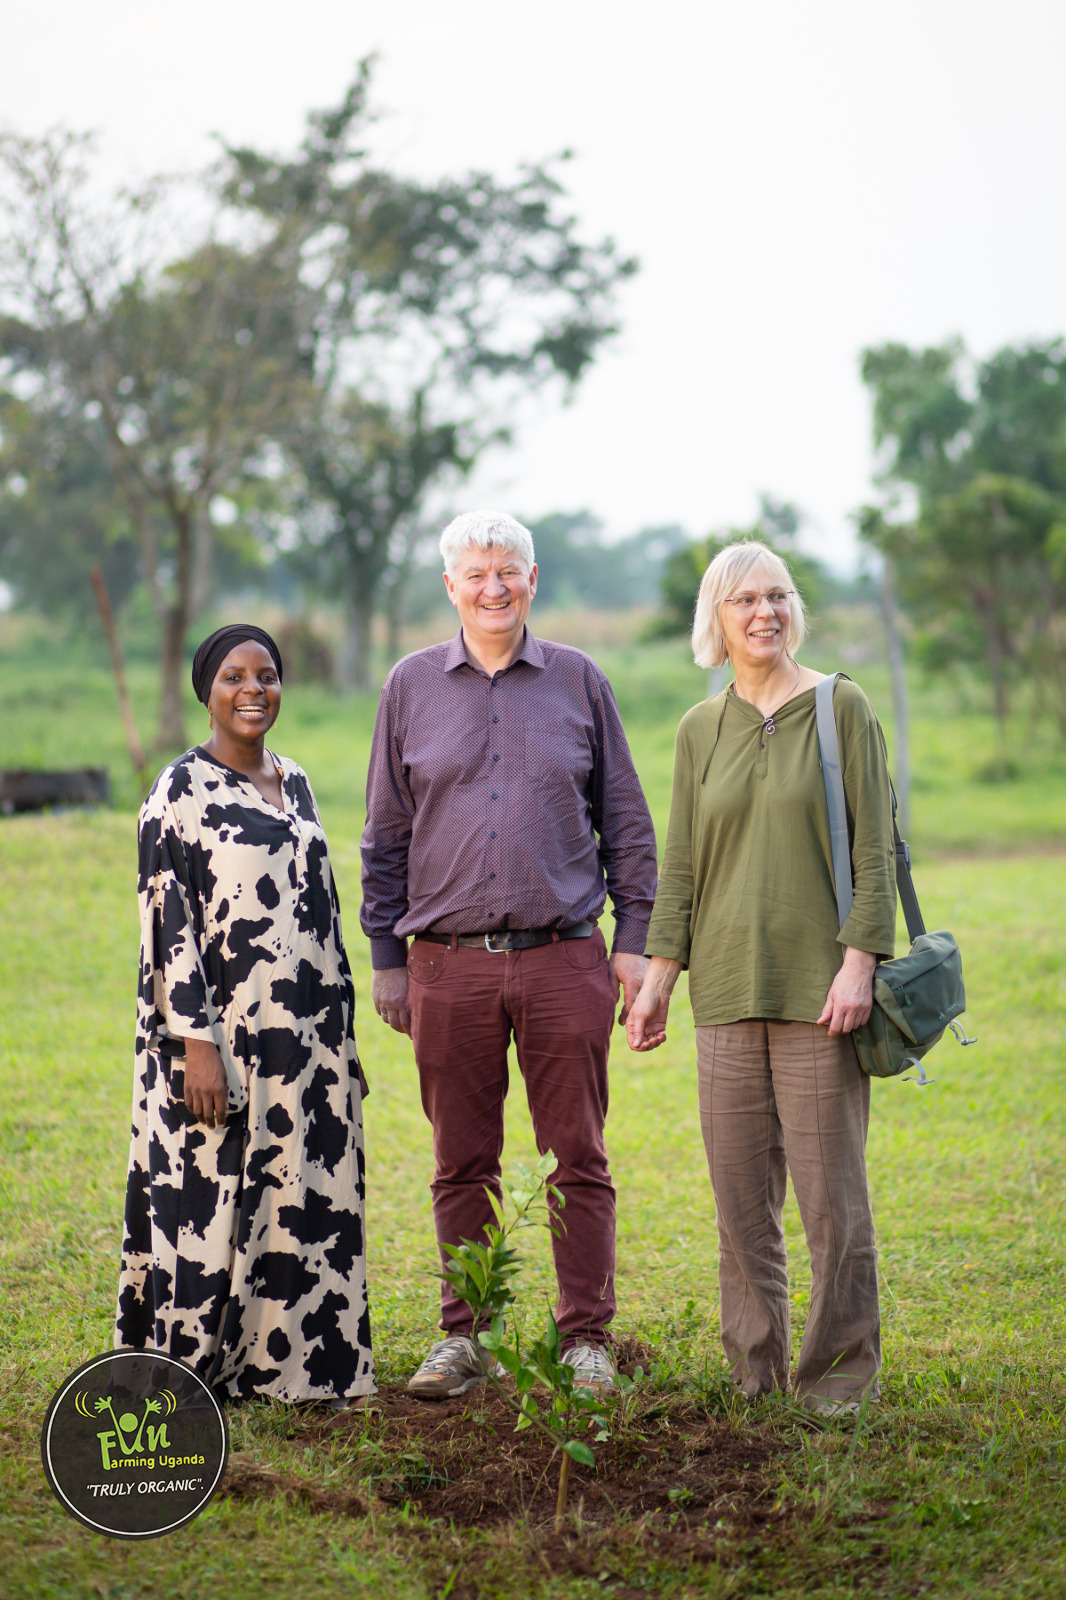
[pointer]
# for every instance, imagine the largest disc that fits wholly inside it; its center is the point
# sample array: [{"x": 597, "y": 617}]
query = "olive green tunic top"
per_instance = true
[{"x": 746, "y": 898}]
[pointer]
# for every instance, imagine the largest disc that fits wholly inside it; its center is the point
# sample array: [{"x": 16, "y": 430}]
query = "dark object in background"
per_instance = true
[{"x": 24, "y": 789}]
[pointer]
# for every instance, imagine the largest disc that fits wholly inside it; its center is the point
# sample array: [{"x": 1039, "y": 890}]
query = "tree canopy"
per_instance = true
[
  {"x": 307, "y": 337},
  {"x": 973, "y": 466}
]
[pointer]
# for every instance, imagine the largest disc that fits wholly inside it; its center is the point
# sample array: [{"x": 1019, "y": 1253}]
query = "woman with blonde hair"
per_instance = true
[{"x": 746, "y": 902}]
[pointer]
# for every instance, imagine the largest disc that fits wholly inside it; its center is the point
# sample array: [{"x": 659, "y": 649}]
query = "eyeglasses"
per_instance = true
[{"x": 778, "y": 598}]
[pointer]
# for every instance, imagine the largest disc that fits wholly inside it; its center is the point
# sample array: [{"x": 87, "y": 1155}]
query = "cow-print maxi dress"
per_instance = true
[{"x": 243, "y": 1251}]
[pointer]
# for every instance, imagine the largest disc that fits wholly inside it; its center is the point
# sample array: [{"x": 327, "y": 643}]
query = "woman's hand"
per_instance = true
[
  {"x": 851, "y": 994},
  {"x": 205, "y": 1083},
  {"x": 646, "y": 1021}
]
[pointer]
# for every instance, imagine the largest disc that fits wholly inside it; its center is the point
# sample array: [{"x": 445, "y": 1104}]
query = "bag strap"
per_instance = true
[{"x": 840, "y": 843}]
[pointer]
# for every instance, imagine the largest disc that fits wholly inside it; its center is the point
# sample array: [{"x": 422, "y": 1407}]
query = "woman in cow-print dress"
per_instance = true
[{"x": 243, "y": 1251}]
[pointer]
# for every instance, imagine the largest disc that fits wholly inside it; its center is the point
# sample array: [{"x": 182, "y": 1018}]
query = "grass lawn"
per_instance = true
[{"x": 952, "y": 1486}]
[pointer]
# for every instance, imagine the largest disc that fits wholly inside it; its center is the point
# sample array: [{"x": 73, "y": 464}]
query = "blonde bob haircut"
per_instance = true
[{"x": 724, "y": 577}]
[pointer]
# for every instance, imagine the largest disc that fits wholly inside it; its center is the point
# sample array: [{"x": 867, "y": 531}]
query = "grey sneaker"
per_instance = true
[
  {"x": 594, "y": 1366},
  {"x": 453, "y": 1366}
]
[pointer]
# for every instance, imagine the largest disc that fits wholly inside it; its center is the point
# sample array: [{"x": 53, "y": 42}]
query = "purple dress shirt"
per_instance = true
[{"x": 485, "y": 797}]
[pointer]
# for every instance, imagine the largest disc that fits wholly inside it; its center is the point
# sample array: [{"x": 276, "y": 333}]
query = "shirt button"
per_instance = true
[
  {"x": 492, "y": 874},
  {"x": 495, "y": 719},
  {"x": 494, "y": 796},
  {"x": 495, "y": 758},
  {"x": 492, "y": 835}
]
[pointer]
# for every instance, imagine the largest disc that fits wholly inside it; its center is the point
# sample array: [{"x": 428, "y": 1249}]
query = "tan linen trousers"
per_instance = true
[{"x": 777, "y": 1095}]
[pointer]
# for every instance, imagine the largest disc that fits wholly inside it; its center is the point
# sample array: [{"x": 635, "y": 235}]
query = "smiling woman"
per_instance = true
[
  {"x": 777, "y": 984},
  {"x": 243, "y": 1250}
]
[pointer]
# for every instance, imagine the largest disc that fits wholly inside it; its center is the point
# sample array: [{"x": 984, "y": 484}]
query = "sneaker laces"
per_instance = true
[
  {"x": 445, "y": 1354},
  {"x": 596, "y": 1364}
]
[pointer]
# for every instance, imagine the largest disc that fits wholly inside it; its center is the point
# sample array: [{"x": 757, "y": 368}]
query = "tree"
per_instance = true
[
  {"x": 180, "y": 373},
  {"x": 778, "y": 526},
  {"x": 60, "y": 515},
  {"x": 438, "y": 309},
  {"x": 981, "y": 448}
]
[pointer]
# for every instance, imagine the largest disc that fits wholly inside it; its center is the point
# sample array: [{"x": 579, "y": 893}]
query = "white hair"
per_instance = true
[
  {"x": 485, "y": 530},
  {"x": 730, "y": 567}
]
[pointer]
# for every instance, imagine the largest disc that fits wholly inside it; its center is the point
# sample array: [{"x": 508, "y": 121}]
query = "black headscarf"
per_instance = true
[{"x": 217, "y": 646}]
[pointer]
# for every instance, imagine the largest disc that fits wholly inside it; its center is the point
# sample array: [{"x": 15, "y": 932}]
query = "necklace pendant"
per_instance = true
[{"x": 768, "y": 725}]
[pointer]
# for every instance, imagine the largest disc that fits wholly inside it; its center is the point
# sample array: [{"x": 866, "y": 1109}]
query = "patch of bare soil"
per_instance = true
[
  {"x": 679, "y": 1468},
  {"x": 671, "y": 1485},
  {"x": 666, "y": 1470}
]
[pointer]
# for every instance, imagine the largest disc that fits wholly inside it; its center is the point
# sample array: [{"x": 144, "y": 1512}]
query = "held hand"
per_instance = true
[
  {"x": 389, "y": 994},
  {"x": 850, "y": 999},
  {"x": 627, "y": 971},
  {"x": 205, "y": 1083},
  {"x": 646, "y": 1023}
]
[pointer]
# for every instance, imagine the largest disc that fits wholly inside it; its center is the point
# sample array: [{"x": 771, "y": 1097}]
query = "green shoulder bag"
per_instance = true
[{"x": 919, "y": 995}]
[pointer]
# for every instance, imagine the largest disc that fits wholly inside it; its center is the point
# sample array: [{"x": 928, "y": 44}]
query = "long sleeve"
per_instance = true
[
  {"x": 176, "y": 997},
  {"x": 386, "y": 840},
  {"x": 623, "y": 822},
  {"x": 670, "y": 931}
]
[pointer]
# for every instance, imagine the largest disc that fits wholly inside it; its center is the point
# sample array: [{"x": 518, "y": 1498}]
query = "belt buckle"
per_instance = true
[{"x": 497, "y": 949}]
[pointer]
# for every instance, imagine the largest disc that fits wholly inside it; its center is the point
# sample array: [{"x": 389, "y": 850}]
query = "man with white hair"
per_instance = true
[{"x": 502, "y": 807}]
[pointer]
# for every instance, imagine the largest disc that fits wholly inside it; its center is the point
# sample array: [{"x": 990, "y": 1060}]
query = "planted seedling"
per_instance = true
[{"x": 484, "y": 1275}]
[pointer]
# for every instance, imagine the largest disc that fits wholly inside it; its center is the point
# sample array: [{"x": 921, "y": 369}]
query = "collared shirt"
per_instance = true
[{"x": 485, "y": 797}]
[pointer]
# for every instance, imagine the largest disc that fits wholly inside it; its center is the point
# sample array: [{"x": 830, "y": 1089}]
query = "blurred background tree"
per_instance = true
[
  {"x": 778, "y": 526},
  {"x": 296, "y": 352},
  {"x": 973, "y": 467},
  {"x": 438, "y": 309},
  {"x": 179, "y": 368}
]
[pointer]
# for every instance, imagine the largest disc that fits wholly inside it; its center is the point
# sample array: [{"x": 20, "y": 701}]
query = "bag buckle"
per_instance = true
[{"x": 960, "y": 1033}]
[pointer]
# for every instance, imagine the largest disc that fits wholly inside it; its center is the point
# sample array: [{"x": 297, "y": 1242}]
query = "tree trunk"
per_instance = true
[
  {"x": 394, "y": 618},
  {"x": 900, "y": 707},
  {"x": 176, "y": 618},
  {"x": 170, "y": 737},
  {"x": 118, "y": 668},
  {"x": 996, "y": 672},
  {"x": 353, "y": 662}
]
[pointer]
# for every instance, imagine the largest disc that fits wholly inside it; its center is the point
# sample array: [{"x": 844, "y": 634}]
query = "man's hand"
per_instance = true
[
  {"x": 851, "y": 994},
  {"x": 389, "y": 994},
  {"x": 205, "y": 1082},
  {"x": 627, "y": 974}
]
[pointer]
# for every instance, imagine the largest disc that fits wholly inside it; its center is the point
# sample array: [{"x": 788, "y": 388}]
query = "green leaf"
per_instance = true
[{"x": 579, "y": 1452}]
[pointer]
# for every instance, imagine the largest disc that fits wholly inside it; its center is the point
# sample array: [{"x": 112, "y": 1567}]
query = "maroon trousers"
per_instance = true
[{"x": 558, "y": 1001}]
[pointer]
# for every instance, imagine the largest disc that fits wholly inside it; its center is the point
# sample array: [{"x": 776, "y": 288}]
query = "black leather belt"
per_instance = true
[{"x": 500, "y": 940}]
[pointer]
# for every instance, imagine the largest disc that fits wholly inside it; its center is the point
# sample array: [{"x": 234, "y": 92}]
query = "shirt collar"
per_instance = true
[{"x": 531, "y": 653}]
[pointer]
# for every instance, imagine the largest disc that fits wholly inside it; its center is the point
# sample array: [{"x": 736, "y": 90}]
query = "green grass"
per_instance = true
[{"x": 953, "y": 1486}]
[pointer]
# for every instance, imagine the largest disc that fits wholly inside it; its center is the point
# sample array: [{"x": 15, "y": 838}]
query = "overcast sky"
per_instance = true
[{"x": 799, "y": 178}]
